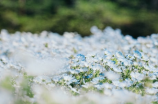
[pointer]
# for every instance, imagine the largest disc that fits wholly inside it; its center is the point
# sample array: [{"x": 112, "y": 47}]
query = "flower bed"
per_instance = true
[{"x": 104, "y": 68}]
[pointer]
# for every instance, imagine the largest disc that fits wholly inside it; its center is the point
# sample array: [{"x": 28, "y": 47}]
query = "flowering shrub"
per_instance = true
[{"x": 104, "y": 68}]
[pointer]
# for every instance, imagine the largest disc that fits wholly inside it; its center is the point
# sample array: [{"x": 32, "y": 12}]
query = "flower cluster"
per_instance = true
[{"x": 104, "y": 68}]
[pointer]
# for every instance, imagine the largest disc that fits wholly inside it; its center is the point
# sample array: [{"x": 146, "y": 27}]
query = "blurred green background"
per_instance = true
[{"x": 134, "y": 17}]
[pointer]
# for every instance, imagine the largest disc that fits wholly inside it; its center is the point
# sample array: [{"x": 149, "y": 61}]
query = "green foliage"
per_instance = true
[
  {"x": 126, "y": 74},
  {"x": 115, "y": 60},
  {"x": 132, "y": 17},
  {"x": 96, "y": 74},
  {"x": 7, "y": 83},
  {"x": 147, "y": 82},
  {"x": 155, "y": 102},
  {"x": 26, "y": 86}
]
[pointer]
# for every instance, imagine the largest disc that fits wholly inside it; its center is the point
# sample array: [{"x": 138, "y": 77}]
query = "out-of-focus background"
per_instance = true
[{"x": 134, "y": 17}]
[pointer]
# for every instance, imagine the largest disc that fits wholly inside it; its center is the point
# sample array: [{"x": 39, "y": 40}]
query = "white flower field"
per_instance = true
[{"x": 104, "y": 68}]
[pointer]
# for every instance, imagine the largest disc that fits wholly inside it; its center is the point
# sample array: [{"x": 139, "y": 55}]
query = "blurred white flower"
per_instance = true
[
  {"x": 112, "y": 75},
  {"x": 117, "y": 69},
  {"x": 151, "y": 90},
  {"x": 155, "y": 84},
  {"x": 67, "y": 77},
  {"x": 119, "y": 54},
  {"x": 137, "y": 54},
  {"x": 137, "y": 76},
  {"x": 35, "y": 66},
  {"x": 5, "y": 97}
]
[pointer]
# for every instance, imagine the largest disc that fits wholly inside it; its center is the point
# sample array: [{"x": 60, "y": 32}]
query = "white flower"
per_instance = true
[
  {"x": 151, "y": 90},
  {"x": 97, "y": 67},
  {"x": 112, "y": 75},
  {"x": 67, "y": 77},
  {"x": 107, "y": 86},
  {"x": 108, "y": 54},
  {"x": 152, "y": 76},
  {"x": 119, "y": 54},
  {"x": 96, "y": 80},
  {"x": 116, "y": 83},
  {"x": 51, "y": 85},
  {"x": 128, "y": 82},
  {"x": 82, "y": 70},
  {"x": 155, "y": 84},
  {"x": 108, "y": 92},
  {"x": 144, "y": 57},
  {"x": 56, "y": 78},
  {"x": 137, "y": 76},
  {"x": 137, "y": 54},
  {"x": 117, "y": 69},
  {"x": 72, "y": 71},
  {"x": 80, "y": 57},
  {"x": 129, "y": 56},
  {"x": 86, "y": 85},
  {"x": 98, "y": 86},
  {"x": 94, "y": 29},
  {"x": 6, "y": 97},
  {"x": 110, "y": 63}
]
